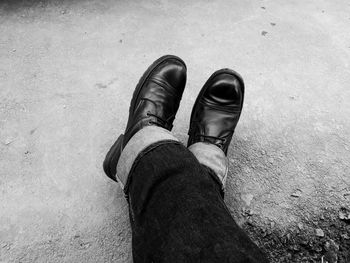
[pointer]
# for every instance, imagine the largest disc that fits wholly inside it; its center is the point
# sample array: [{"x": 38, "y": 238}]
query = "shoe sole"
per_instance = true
[
  {"x": 115, "y": 151},
  {"x": 205, "y": 86}
]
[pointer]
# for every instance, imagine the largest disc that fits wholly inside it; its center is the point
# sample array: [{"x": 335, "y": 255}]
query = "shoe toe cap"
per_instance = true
[
  {"x": 225, "y": 90},
  {"x": 173, "y": 72}
]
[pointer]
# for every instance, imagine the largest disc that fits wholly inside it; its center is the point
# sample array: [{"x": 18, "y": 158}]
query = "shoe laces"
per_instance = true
[
  {"x": 160, "y": 121},
  {"x": 221, "y": 143}
]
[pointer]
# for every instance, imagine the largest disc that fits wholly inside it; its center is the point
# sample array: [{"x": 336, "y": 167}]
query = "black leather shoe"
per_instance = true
[
  {"x": 217, "y": 109},
  {"x": 155, "y": 101}
]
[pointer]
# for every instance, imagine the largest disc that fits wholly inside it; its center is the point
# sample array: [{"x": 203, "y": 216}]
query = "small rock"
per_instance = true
[
  {"x": 13, "y": 50},
  {"x": 250, "y": 221},
  {"x": 264, "y": 33},
  {"x": 8, "y": 141},
  {"x": 247, "y": 198},
  {"x": 345, "y": 236},
  {"x": 332, "y": 245},
  {"x": 288, "y": 236},
  {"x": 294, "y": 247},
  {"x": 7, "y": 246},
  {"x": 297, "y": 193},
  {"x": 247, "y": 212},
  {"x": 344, "y": 214},
  {"x": 272, "y": 24},
  {"x": 63, "y": 12},
  {"x": 271, "y": 160},
  {"x": 319, "y": 232},
  {"x": 300, "y": 226},
  {"x": 250, "y": 212},
  {"x": 85, "y": 245},
  {"x": 263, "y": 7},
  {"x": 121, "y": 41}
]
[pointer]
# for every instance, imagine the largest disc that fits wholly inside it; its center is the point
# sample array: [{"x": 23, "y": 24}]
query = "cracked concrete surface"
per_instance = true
[{"x": 67, "y": 73}]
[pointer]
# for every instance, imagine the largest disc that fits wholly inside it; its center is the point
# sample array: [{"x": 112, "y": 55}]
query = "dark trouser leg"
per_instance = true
[{"x": 178, "y": 214}]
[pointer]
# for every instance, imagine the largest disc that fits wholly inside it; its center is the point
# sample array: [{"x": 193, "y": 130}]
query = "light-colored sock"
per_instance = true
[
  {"x": 140, "y": 141},
  {"x": 213, "y": 157}
]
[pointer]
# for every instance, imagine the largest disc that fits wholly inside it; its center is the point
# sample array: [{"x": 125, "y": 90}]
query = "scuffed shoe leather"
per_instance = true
[
  {"x": 155, "y": 101},
  {"x": 217, "y": 109}
]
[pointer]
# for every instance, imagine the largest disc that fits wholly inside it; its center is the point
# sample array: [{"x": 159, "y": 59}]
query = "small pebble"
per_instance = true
[
  {"x": 297, "y": 193},
  {"x": 247, "y": 212},
  {"x": 8, "y": 141},
  {"x": 319, "y": 232},
  {"x": 344, "y": 214},
  {"x": 247, "y": 198},
  {"x": 345, "y": 236}
]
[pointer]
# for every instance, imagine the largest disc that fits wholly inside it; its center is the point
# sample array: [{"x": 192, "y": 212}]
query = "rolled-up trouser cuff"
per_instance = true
[
  {"x": 139, "y": 142},
  {"x": 213, "y": 157}
]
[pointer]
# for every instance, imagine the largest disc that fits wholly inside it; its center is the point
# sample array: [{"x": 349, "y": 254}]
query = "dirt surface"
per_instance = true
[{"x": 67, "y": 73}]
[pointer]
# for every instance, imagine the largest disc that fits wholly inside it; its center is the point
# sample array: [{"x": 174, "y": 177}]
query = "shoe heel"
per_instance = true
[{"x": 112, "y": 157}]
